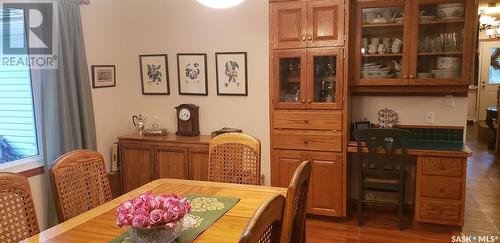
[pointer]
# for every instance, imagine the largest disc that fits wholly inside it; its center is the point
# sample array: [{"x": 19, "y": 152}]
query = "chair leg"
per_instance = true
[
  {"x": 360, "y": 206},
  {"x": 401, "y": 205}
]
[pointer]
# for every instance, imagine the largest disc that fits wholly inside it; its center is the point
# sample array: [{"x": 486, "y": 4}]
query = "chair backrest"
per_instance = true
[
  {"x": 17, "y": 213},
  {"x": 294, "y": 215},
  {"x": 79, "y": 183},
  {"x": 265, "y": 224},
  {"x": 234, "y": 158},
  {"x": 381, "y": 143}
]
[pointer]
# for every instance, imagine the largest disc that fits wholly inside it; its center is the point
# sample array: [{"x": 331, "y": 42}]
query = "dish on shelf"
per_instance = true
[
  {"x": 374, "y": 73},
  {"x": 376, "y": 68},
  {"x": 399, "y": 20},
  {"x": 448, "y": 63},
  {"x": 427, "y": 18},
  {"x": 451, "y": 10}
]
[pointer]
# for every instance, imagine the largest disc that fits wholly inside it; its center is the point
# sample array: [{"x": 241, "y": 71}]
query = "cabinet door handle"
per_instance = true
[
  {"x": 405, "y": 76},
  {"x": 306, "y": 121},
  {"x": 412, "y": 76},
  {"x": 303, "y": 101},
  {"x": 304, "y": 38},
  {"x": 309, "y": 38},
  {"x": 306, "y": 142},
  {"x": 309, "y": 101}
]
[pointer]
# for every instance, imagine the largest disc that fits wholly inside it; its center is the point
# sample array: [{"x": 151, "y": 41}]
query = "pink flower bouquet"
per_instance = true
[{"x": 148, "y": 210}]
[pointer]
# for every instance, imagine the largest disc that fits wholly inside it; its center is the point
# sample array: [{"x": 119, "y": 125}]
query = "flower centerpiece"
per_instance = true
[{"x": 153, "y": 218}]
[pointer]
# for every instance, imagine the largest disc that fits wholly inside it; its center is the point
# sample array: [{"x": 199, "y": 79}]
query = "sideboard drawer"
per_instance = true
[
  {"x": 442, "y": 166},
  {"x": 308, "y": 120},
  {"x": 440, "y": 212},
  {"x": 308, "y": 140},
  {"x": 442, "y": 187}
]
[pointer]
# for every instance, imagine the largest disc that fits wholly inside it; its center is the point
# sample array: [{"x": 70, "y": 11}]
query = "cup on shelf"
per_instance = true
[
  {"x": 381, "y": 49},
  {"x": 372, "y": 48},
  {"x": 375, "y": 40}
]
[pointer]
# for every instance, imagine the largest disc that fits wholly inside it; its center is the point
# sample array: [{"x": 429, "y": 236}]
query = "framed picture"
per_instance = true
[
  {"x": 232, "y": 74},
  {"x": 103, "y": 76},
  {"x": 192, "y": 73},
  {"x": 154, "y": 74}
]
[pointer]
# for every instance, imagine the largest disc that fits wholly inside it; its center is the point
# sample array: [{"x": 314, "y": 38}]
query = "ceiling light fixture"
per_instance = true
[{"x": 220, "y": 3}]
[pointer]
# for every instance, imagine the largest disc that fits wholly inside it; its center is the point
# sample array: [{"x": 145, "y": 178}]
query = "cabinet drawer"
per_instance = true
[
  {"x": 308, "y": 120},
  {"x": 442, "y": 166},
  {"x": 308, "y": 140},
  {"x": 440, "y": 212},
  {"x": 442, "y": 187}
]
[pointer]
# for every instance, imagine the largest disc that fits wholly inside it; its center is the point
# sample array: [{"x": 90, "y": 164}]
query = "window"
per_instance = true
[
  {"x": 495, "y": 66},
  {"x": 18, "y": 134}
]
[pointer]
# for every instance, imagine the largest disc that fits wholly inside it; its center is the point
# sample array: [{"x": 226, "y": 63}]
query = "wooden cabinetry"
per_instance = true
[
  {"x": 326, "y": 184},
  {"x": 435, "y": 49},
  {"x": 307, "y": 98},
  {"x": 440, "y": 192},
  {"x": 144, "y": 159},
  {"x": 299, "y": 24}
]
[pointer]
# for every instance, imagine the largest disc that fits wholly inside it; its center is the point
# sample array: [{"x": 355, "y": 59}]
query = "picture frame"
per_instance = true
[
  {"x": 154, "y": 74},
  {"x": 192, "y": 73},
  {"x": 103, "y": 76},
  {"x": 232, "y": 73}
]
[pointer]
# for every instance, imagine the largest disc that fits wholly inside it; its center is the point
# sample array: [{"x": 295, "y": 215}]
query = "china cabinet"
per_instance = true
[
  {"x": 307, "y": 99},
  {"x": 416, "y": 43},
  {"x": 299, "y": 24}
]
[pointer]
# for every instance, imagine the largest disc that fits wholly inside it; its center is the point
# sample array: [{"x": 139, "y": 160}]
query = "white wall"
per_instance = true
[
  {"x": 118, "y": 31},
  {"x": 411, "y": 110}
]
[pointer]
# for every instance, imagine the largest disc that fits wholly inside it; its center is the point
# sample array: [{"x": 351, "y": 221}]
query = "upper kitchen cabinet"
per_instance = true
[
  {"x": 418, "y": 43},
  {"x": 315, "y": 23}
]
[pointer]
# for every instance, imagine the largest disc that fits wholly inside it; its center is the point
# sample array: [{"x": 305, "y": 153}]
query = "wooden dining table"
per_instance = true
[{"x": 98, "y": 224}]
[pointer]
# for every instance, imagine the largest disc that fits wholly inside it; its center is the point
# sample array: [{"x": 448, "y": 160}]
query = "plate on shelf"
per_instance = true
[
  {"x": 426, "y": 18},
  {"x": 451, "y": 18}
]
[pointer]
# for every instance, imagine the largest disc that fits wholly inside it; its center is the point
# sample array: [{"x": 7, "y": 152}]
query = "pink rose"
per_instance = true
[
  {"x": 156, "y": 216},
  {"x": 140, "y": 221}
]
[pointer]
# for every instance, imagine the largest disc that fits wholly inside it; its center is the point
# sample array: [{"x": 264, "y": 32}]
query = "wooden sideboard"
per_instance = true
[{"x": 147, "y": 158}]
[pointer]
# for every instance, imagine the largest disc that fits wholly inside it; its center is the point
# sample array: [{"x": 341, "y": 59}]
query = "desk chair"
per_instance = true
[{"x": 381, "y": 169}]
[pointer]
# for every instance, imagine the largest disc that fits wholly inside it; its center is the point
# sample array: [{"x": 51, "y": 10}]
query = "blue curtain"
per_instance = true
[{"x": 66, "y": 99}]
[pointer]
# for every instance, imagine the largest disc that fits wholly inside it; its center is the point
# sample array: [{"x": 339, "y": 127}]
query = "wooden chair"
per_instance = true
[
  {"x": 265, "y": 224},
  {"x": 294, "y": 215},
  {"x": 79, "y": 183},
  {"x": 234, "y": 158},
  {"x": 381, "y": 169},
  {"x": 17, "y": 213}
]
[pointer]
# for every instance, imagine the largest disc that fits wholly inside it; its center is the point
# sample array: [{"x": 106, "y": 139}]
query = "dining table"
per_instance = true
[{"x": 98, "y": 224}]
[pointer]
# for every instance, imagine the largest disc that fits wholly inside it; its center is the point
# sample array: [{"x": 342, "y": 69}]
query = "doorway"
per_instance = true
[{"x": 489, "y": 76}]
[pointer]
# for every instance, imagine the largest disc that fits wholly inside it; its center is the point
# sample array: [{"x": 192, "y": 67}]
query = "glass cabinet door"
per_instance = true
[
  {"x": 381, "y": 57},
  {"x": 324, "y": 79},
  {"x": 439, "y": 48},
  {"x": 289, "y": 72}
]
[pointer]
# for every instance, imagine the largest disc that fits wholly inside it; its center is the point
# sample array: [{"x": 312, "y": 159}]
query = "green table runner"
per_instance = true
[{"x": 205, "y": 211}]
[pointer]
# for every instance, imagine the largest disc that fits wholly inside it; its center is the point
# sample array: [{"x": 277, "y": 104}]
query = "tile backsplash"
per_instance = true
[{"x": 437, "y": 134}]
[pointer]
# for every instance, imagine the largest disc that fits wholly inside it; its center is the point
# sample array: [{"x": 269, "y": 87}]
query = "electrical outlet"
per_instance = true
[{"x": 429, "y": 117}]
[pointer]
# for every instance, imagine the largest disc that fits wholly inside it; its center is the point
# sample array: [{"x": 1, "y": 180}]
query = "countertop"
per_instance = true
[{"x": 429, "y": 148}]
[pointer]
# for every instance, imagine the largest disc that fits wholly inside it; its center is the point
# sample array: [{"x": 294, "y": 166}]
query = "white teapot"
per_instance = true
[{"x": 396, "y": 45}]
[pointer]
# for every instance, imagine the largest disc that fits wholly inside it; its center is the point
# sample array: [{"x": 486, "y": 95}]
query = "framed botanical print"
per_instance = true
[
  {"x": 192, "y": 73},
  {"x": 154, "y": 74},
  {"x": 232, "y": 74},
  {"x": 103, "y": 76}
]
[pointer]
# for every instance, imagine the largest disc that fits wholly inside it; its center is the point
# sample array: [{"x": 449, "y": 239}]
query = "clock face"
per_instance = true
[{"x": 184, "y": 114}]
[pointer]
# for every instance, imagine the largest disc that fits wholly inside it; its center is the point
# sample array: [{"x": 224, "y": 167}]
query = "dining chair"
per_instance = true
[
  {"x": 294, "y": 215},
  {"x": 382, "y": 169},
  {"x": 265, "y": 224},
  {"x": 234, "y": 158},
  {"x": 18, "y": 219},
  {"x": 79, "y": 183}
]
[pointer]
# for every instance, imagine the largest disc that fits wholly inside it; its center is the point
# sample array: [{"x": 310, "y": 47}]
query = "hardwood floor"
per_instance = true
[{"x": 482, "y": 210}]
